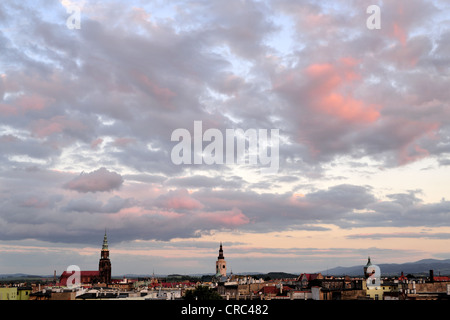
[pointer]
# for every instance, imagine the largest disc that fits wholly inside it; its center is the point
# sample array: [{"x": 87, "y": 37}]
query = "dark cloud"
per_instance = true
[{"x": 93, "y": 205}]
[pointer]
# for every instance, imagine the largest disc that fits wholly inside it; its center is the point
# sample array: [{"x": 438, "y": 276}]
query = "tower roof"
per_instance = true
[
  {"x": 105, "y": 242},
  {"x": 220, "y": 252}
]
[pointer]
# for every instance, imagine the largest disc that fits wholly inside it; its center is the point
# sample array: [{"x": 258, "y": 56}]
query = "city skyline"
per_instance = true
[{"x": 91, "y": 93}]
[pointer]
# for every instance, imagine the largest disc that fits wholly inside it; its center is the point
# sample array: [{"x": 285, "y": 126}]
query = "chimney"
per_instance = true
[{"x": 431, "y": 276}]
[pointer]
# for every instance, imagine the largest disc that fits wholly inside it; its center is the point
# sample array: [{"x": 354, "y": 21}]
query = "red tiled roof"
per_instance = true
[
  {"x": 65, "y": 276},
  {"x": 309, "y": 276},
  {"x": 441, "y": 278},
  {"x": 269, "y": 289},
  {"x": 402, "y": 277}
]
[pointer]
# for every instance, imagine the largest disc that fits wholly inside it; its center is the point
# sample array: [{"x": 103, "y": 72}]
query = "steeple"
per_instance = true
[
  {"x": 221, "y": 252},
  {"x": 221, "y": 264},
  {"x": 105, "y": 242},
  {"x": 369, "y": 264}
]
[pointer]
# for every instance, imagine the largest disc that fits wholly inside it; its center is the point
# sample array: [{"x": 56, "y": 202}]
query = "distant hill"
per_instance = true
[
  {"x": 421, "y": 267},
  {"x": 273, "y": 275},
  {"x": 22, "y": 276}
]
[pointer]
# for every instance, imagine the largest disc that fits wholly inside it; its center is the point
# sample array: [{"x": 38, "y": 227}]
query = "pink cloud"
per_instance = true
[
  {"x": 178, "y": 199},
  {"x": 408, "y": 55},
  {"x": 413, "y": 131},
  {"x": 399, "y": 33},
  {"x": 34, "y": 202},
  {"x": 96, "y": 143},
  {"x": 123, "y": 142},
  {"x": 161, "y": 94},
  {"x": 57, "y": 124},
  {"x": 96, "y": 181},
  {"x": 33, "y": 102},
  {"x": 231, "y": 218},
  {"x": 25, "y": 103},
  {"x": 326, "y": 80},
  {"x": 136, "y": 211}
]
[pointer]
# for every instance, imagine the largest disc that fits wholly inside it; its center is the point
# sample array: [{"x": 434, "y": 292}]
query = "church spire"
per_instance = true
[
  {"x": 221, "y": 252},
  {"x": 221, "y": 264},
  {"x": 105, "y": 242}
]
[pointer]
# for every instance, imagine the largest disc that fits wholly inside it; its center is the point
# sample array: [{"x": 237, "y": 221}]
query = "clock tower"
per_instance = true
[{"x": 221, "y": 264}]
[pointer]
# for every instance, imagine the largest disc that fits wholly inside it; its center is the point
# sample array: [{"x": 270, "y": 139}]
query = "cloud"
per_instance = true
[
  {"x": 201, "y": 181},
  {"x": 93, "y": 205},
  {"x": 178, "y": 200},
  {"x": 415, "y": 235},
  {"x": 349, "y": 102},
  {"x": 100, "y": 180}
]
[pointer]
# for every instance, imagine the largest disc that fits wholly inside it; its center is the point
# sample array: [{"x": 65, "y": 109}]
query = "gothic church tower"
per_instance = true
[{"x": 104, "y": 267}]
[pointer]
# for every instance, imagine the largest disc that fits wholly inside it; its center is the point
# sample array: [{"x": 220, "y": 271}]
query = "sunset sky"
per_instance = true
[{"x": 87, "y": 114}]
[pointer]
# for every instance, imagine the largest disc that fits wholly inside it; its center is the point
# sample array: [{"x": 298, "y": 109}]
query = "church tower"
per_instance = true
[
  {"x": 366, "y": 274},
  {"x": 221, "y": 264},
  {"x": 104, "y": 267}
]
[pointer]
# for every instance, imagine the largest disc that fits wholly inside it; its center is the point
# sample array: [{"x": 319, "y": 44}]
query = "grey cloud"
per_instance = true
[
  {"x": 204, "y": 211},
  {"x": 93, "y": 205},
  {"x": 84, "y": 205},
  {"x": 200, "y": 181}
]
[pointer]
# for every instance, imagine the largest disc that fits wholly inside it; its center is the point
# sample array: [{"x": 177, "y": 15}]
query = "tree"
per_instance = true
[{"x": 202, "y": 293}]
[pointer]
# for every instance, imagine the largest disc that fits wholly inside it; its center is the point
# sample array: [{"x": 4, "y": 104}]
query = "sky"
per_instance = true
[{"x": 91, "y": 93}]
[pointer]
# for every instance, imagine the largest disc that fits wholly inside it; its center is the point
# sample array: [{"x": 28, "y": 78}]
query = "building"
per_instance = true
[
  {"x": 104, "y": 266},
  {"x": 433, "y": 288},
  {"x": 373, "y": 285},
  {"x": 23, "y": 293},
  {"x": 439, "y": 278},
  {"x": 221, "y": 264},
  {"x": 305, "y": 279},
  {"x": 102, "y": 275},
  {"x": 378, "y": 292},
  {"x": 15, "y": 293},
  {"x": 8, "y": 293},
  {"x": 240, "y": 287}
]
